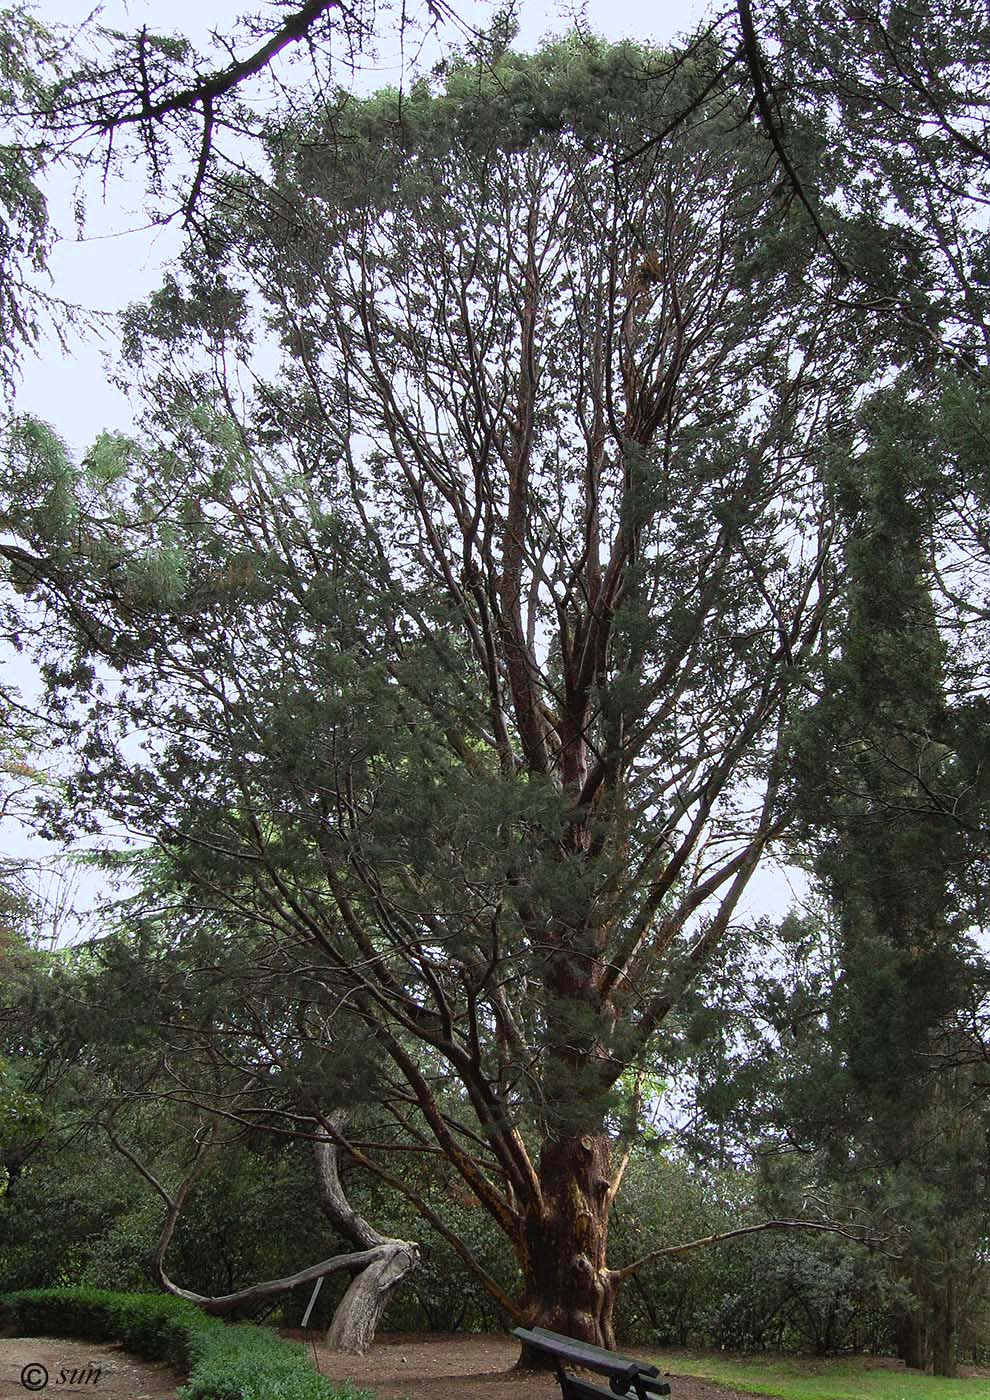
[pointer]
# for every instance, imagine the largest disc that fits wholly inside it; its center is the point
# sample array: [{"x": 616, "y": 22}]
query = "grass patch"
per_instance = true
[
  {"x": 221, "y": 1361},
  {"x": 795, "y": 1378}
]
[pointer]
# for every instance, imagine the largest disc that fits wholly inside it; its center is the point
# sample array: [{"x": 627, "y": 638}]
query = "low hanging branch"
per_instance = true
[
  {"x": 208, "y": 88},
  {"x": 272, "y": 1288},
  {"x": 132, "y": 86},
  {"x": 618, "y": 1275}
]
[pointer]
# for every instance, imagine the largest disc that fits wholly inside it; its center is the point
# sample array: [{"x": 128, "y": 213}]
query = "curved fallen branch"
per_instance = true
[{"x": 271, "y": 1288}]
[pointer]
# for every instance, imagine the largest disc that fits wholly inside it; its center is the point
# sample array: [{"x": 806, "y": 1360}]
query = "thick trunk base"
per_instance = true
[{"x": 568, "y": 1285}]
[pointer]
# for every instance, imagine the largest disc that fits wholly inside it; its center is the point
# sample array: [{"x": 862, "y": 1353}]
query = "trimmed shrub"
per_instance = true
[{"x": 222, "y": 1361}]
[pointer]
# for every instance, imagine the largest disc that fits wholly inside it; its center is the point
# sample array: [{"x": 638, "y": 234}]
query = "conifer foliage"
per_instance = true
[
  {"x": 463, "y": 643},
  {"x": 553, "y": 486}
]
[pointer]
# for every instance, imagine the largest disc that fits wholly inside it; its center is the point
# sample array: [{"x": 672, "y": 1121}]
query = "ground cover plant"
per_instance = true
[
  {"x": 240, "y": 1362},
  {"x": 795, "y": 1378}
]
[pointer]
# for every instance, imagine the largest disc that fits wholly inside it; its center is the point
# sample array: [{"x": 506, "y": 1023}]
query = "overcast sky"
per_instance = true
[{"x": 119, "y": 259}]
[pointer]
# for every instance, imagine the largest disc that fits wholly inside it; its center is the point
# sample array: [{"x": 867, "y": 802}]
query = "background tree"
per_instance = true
[
  {"x": 901, "y": 92},
  {"x": 137, "y": 1045},
  {"x": 896, "y": 846}
]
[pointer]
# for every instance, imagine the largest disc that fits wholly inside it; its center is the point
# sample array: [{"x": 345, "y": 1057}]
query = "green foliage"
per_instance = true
[
  {"x": 443, "y": 1294},
  {"x": 255, "y": 1215},
  {"x": 39, "y": 484},
  {"x": 776, "y": 1083},
  {"x": 797, "y": 1293},
  {"x": 63, "y": 1213},
  {"x": 664, "y": 1200},
  {"x": 223, "y": 1362},
  {"x": 903, "y": 98},
  {"x": 776, "y": 1291},
  {"x": 78, "y": 1213},
  {"x": 22, "y": 1115},
  {"x": 159, "y": 1328},
  {"x": 26, "y": 46},
  {"x": 890, "y": 819}
]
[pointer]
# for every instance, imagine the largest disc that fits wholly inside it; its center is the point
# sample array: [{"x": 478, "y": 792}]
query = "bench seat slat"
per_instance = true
[
  {"x": 647, "y": 1385},
  {"x": 606, "y": 1363},
  {"x": 576, "y": 1388},
  {"x": 635, "y": 1380},
  {"x": 588, "y": 1349}
]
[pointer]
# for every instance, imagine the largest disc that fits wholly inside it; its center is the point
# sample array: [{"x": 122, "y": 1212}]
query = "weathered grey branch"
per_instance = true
[
  {"x": 379, "y": 1265},
  {"x": 336, "y": 1207},
  {"x": 271, "y": 1288},
  {"x": 359, "y": 1312}
]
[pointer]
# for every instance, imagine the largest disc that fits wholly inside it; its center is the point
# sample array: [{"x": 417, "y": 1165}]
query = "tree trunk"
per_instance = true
[
  {"x": 911, "y": 1342},
  {"x": 943, "y": 1329},
  {"x": 359, "y": 1312},
  {"x": 568, "y": 1288}
]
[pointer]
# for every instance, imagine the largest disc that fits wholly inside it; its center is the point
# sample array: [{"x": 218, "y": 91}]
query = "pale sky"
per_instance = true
[{"x": 119, "y": 260}]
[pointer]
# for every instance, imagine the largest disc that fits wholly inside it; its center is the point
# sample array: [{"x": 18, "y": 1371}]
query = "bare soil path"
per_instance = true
[
  {"x": 56, "y": 1367},
  {"x": 440, "y": 1366},
  {"x": 452, "y": 1366}
]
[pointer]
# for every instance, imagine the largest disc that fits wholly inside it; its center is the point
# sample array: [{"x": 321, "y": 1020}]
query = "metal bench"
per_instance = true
[{"x": 625, "y": 1376}]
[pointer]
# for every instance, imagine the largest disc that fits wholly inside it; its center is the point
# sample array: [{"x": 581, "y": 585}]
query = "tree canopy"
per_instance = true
[{"x": 547, "y": 499}]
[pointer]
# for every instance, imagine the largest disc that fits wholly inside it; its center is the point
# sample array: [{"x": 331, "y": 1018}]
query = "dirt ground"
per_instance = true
[
  {"x": 99, "y": 1370},
  {"x": 451, "y": 1366},
  {"x": 444, "y": 1366}
]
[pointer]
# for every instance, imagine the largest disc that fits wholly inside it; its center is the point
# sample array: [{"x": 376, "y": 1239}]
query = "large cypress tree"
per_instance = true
[{"x": 460, "y": 642}]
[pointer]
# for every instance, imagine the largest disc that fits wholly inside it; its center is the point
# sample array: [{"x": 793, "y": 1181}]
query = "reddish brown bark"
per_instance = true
[{"x": 566, "y": 1239}]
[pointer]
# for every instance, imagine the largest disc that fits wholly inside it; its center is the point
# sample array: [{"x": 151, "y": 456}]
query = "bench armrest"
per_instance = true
[{"x": 644, "y": 1387}]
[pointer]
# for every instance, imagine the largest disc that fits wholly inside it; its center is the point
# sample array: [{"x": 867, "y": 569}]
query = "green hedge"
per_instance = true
[{"x": 222, "y": 1361}]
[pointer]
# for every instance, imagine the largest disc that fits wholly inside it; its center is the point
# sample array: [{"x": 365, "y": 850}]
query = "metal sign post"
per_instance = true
[{"x": 316, "y": 1293}]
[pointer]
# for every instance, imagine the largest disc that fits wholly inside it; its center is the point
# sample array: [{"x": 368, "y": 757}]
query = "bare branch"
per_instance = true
[{"x": 705, "y": 1241}]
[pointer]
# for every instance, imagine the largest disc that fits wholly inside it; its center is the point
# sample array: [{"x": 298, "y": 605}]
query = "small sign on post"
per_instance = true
[{"x": 316, "y": 1293}]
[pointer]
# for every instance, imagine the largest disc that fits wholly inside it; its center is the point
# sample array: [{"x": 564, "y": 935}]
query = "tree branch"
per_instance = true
[
  {"x": 754, "y": 61},
  {"x": 215, "y": 85},
  {"x": 618, "y": 1275}
]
